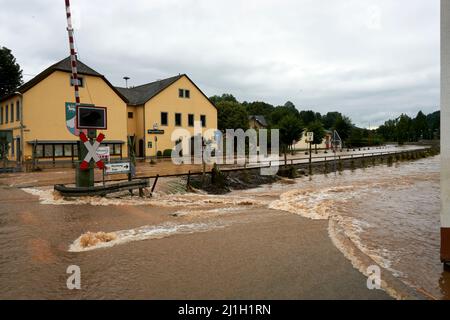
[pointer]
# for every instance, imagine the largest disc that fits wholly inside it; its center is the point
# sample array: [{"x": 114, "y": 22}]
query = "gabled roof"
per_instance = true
[
  {"x": 261, "y": 119},
  {"x": 141, "y": 94},
  {"x": 65, "y": 66}
]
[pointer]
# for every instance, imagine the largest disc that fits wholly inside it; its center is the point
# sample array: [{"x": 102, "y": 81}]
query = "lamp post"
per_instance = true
[{"x": 126, "y": 81}]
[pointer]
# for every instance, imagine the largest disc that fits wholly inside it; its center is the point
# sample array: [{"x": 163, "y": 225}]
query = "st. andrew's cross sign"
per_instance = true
[{"x": 91, "y": 151}]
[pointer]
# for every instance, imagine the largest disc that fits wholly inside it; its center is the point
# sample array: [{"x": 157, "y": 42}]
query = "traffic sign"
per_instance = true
[
  {"x": 309, "y": 136},
  {"x": 116, "y": 168},
  {"x": 103, "y": 153},
  {"x": 89, "y": 117},
  {"x": 91, "y": 148}
]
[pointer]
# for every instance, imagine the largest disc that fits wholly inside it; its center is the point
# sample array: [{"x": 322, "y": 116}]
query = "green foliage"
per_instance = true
[
  {"x": 167, "y": 153},
  {"x": 330, "y": 118},
  {"x": 291, "y": 128},
  {"x": 226, "y": 97},
  {"x": 259, "y": 108},
  {"x": 319, "y": 132},
  {"x": 406, "y": 129},
  {"x": 10, "y": 72},
  {"x": 343, "y": 125},
  {"x": 231, "y": 115},
  {"x": 159, "y": 154}
]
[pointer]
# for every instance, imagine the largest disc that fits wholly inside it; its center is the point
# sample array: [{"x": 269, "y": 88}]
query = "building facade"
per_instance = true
[{"x": 41, "y": 114}]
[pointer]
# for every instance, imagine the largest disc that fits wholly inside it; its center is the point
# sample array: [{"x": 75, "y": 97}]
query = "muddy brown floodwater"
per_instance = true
[{"x": 387, "y": 215}]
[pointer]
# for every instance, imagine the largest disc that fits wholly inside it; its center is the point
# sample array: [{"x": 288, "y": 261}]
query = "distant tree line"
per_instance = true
[
  {"x": 292, "y": 123},
  {"x": 406, "y": 129}
]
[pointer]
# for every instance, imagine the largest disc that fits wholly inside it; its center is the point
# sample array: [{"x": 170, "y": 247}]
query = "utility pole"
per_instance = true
[{"x": 84, "y": 178}]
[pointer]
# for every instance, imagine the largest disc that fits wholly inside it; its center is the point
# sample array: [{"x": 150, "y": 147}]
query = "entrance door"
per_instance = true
[{"x": 141, "y": 148}]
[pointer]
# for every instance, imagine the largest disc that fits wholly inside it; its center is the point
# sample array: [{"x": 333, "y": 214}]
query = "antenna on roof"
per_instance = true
[{"x": 126, "y": 81}]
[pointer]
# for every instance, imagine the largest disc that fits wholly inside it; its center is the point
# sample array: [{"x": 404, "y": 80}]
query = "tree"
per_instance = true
[
  {"x": 291, "y": 129},
  {"x": 226, "y": 97},
  {"x": 10, "y": 72},
  {"x": 231, "y": 115},
  {"x": 343, "y": 126},
  {"x": 308, "y": 117},
  {"x": 319, "y": 132},
  {"x": 403, "y": 129},
  {"x": 259, "y": 108},
  {"x": 280, "y": 112},
  {"x": 420, "y": 126},
  {"x": 330, "y": 118}
]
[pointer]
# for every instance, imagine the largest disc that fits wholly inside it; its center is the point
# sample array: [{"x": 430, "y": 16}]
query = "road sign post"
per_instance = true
[{"x": 310, "y": 139}]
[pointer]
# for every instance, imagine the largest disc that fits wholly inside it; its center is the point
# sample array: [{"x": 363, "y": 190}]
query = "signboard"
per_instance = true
[
  {"x": 103, "y": 153},
  {"x": 91, "y": 117},
  {"x": 309, "y": 137},
  {"x": 116, "y": 168},
  {"x": 91, "y": 151},
  {"x": 155, "y": 131}
]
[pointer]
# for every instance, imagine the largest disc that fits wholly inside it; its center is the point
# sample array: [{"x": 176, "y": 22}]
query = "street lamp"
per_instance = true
[{"x": 126, "y": 81}]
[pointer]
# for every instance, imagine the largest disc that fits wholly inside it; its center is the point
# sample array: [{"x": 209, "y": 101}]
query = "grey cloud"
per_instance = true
[{"x": 370, "y": 60}]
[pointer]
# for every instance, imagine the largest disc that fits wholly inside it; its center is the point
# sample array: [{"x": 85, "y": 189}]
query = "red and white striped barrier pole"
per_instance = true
[{"x": 73, "y": 57}]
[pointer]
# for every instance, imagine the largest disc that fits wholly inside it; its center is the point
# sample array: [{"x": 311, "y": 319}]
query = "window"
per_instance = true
[
  {"x": 39, "y": 151},
  {"x": 67, "y": 150},
  {"x": 48, "y": 151},
  {"x": 190, "y": 120},
  {"x": 164, "y": 119},
  {"x": 58, "y": 150},
  {"x": 130, "y": 115},
  {"x": 1, "y": 115},
  {"x": 203, "y": 120},
  {"x": 6, "y": 113},
  {"x": 178, "y": 119},
  {"x": 18, "y": 111},
  {"x": 80, "y": 81},
  {"x": 12, "y": 112},
  {"x": 183, "y": 93}
]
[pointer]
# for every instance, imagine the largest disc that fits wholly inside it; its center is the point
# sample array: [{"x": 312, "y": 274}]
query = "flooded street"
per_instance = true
[{"x": 268, "y": 242}]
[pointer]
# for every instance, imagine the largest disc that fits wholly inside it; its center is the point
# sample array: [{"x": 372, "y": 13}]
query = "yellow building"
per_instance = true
[
  {"x": 41, "y": 114},
  {"x": 156, "y": 109}
]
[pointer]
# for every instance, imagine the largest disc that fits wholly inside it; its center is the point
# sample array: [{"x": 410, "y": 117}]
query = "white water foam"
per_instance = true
[{"x": 148, "y": 232}]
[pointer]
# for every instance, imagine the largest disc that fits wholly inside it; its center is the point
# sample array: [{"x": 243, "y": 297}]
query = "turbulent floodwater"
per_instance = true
[{"x": 389, "y": 213}]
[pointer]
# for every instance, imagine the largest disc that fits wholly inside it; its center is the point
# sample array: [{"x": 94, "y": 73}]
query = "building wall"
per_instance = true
[
  {"x": 8, "y": 110},
  {"x": 169, "y": 101},
  {"x": 303, "y": 145},
  {"x": 44, "y": 114},
  {"x": 445, "y": 112}
]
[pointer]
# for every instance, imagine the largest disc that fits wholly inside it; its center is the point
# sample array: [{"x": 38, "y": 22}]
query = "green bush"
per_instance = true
[
  {"x": 159, "y": 154},
  {"x": 167, "y": 153}
]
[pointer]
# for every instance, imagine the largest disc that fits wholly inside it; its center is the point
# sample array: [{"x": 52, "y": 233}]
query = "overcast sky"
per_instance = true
[{"x": 370, "y": 59}]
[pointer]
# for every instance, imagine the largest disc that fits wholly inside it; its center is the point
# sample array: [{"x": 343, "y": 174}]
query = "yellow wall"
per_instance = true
[
  {"x": 168, "y": 101},
  {"x": 44, "y": 109},
  {"x": 14, "y": 125}
]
